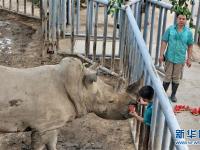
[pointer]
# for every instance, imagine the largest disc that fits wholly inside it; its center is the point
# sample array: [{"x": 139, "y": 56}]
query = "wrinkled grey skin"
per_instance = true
[{"x": 42, "y": 99}]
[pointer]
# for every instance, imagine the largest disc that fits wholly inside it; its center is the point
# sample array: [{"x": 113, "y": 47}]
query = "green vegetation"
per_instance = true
[
  {"x": 181, "y": 7},
  {"x": 114, "y": 6},
  {"x": 36, "y": 2}
]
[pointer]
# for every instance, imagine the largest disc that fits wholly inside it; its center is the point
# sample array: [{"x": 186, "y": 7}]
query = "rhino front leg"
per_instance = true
[
  {"x": 40, "y": 140},
  {"x": 36, "y": 141},
  {"x": 53, "y": 136}
]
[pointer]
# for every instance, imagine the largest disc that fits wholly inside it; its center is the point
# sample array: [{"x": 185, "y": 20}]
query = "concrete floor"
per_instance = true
[{"x": 189, "y": 94}]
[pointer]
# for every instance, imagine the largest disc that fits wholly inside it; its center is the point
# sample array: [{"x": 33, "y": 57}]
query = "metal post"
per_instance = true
[
  {"x": 77, "y": 16},
  {"x": 17, "y": 5},
  {"x": 152, "y": 29},
  {"x": 146, "y": 21},
  {"x": 10, "y": 4},
  {"x": 72, "y": 26},
  {"x": 104, "y": 34},
  {"x": 63, "y": 14},
  {"x": 24, "y": 6},
  {"x": 95, "y": 32},
  {"x": 197, "y": 28},
  {"x": 159, "y": 35},
  {"x": 32, "y": 8}
]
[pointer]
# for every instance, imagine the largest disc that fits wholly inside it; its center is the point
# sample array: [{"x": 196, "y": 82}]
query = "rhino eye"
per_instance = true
[{"x": 111, "y": 101}]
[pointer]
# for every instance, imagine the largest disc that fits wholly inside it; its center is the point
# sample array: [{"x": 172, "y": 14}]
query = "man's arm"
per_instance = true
[
  {"x": 162, "y": 50},
  {"x": 189, "y": 54},
  {"x": 134, "y": 114}
]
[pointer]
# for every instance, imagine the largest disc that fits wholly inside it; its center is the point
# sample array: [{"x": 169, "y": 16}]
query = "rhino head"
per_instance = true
[{"x": 101, "y": 98}]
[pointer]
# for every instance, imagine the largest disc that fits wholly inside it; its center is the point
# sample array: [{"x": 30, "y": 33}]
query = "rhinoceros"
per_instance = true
[{"x": 42, "y": 99}]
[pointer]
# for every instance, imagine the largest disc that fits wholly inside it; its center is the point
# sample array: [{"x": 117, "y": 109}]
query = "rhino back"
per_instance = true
[{"x": 33, "y": 97}]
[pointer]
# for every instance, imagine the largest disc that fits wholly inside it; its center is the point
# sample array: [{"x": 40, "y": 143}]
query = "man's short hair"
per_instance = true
[
  {"x": 177, "y": 14},
  {"x": 146, "y": 92}
]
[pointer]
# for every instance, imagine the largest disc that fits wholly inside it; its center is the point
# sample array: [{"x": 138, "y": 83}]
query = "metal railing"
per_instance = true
[{"x": 135, "y": 63}]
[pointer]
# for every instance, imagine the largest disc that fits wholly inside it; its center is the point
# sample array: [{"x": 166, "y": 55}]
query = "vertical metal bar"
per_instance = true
[
  {"x": 174, "y": 18},
  {"x": 58, "y": 20},
  {"x": 164, "y": 21},
  {"x": 131, "y": 54},
  {"x": 141, "y": 136},
  {"x": 158, "y": 35},
  {"x": 123, "y": 20},
  {"x": 91, "y": 17},
  {"x": 104, "y": 34},
  {"x": 24, "y": 6},
  {"x": 3, "y": 3},
  {"x": 127, "y": 50},
  {"x": 152, "y": 29},
  {"x": 146, "y": 21},
  {"x": 197, "y": 25},
  {"x": 69, "y": 11},
  {"x": 95, "y": 32},
  {"x": 87, "y": 40},
  {"x": 192, "y": 9},
  {"x": 50, "y": 21},
  {"x": 17, "y": 5},
  {"x": 32, "y": 8},
  {"x": 44, "y": 19},
  {"x": 63, "y": 13},
  {"x": 153, "y": 122},
  {"x": 54, "y": 25},
  {"x": 10, "y": 4},
  {"x": 77, "y": 16},
  {"x": 166, "y": 137},
  {"x": 41, "y": 5},
  {"x": 135, "y": 11},
  {"x": 72, "y": 26},
  {"x": 139, "y": 13},
  {"x": 159, "y": 129},
  {"x": 114, "y": 41}
]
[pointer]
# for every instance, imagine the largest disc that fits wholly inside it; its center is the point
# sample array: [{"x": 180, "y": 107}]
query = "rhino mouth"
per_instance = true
[{"x": 114, "y": 115}]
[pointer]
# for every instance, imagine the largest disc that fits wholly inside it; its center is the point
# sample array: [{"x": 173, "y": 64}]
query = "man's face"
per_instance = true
[
  {"x": 142, "y": 101},
  {"x": 181, "y": 20}
]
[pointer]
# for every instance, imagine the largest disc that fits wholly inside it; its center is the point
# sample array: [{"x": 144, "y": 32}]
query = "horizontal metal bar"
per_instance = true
[
  {"x": 161, "y": 3},
  {"x": 81, "y": 35}
]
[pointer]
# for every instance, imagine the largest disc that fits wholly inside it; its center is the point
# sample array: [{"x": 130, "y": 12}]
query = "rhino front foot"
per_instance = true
[{"x": 40, "y": 140}]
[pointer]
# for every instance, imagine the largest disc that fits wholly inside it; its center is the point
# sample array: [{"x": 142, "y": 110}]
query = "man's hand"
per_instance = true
[
  {"x": 188, "y": 63},
  {"x": 133, "y": 113}
]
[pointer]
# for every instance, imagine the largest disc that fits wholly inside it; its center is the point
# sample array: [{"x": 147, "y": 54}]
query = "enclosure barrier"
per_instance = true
[{"x": 136, "y": 62}]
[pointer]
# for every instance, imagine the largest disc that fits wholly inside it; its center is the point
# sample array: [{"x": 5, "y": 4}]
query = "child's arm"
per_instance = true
[{"x": 134, "y": 114}]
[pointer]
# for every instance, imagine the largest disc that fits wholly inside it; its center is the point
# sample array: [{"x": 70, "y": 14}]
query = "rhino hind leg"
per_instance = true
[{"x": 40, "y": 140}]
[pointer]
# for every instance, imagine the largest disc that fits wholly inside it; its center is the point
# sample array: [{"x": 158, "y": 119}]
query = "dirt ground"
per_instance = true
[{"x": 20, "y": 46}]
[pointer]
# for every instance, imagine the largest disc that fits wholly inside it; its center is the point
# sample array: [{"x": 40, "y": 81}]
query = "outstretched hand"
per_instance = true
[{"x": 188, "y": 63}]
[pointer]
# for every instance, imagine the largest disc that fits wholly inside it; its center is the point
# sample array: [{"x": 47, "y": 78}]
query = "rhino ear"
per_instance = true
[{"x": 89, "y": 77}]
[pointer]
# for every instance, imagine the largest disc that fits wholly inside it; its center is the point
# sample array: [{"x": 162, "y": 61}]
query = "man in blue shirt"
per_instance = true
[{"x": 176, "y": 41}]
